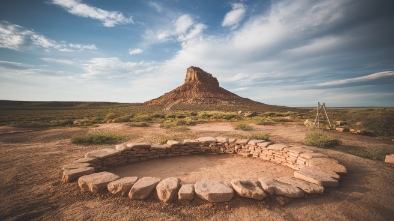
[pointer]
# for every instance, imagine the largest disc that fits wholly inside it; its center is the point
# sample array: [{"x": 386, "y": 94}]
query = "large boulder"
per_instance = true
[
  {"x": 96, "y": 182},
  {"x": 167, "y": 188},
  {"x": 248, "y": 189},
  {"x": 72, "y": 175},
  {"x": 186, "y": 192},
  {"x": 122, "y": 186},
  {"x": 143, "y": 187},
  {"x": 307, "y": 187},
  {"x": 214, "y": 191},
  {"x": 281, "y": 189}
]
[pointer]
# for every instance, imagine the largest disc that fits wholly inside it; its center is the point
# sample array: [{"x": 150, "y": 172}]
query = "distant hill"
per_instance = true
[{"x": 201, "y": 91}]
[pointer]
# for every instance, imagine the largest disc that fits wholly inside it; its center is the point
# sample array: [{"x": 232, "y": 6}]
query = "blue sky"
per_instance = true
[{"x": 284, "y": 52}]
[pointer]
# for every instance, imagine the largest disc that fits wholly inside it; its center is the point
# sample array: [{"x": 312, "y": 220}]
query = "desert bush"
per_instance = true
[
  {"x": 139, "y": 124},
  {"x": 204, "y": 115},
  {"x": 140, "y": 118},
  {"x": 110, "y": 116},
  {"x": 263, "y": 121},
  {"x": 244, "y": 127},
  {"x": 125, "y": 118},
  {"x": 321, "y": 140},
  {"x": 164, "y": 139},
  {"x": 372, "y": 153},
  {"x": 98, "y": 138},
  {"x": 259, "y": 136}
]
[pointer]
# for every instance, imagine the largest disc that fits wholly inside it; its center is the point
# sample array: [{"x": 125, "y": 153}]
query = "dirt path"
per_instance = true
[{"x": 30, "y": 183}]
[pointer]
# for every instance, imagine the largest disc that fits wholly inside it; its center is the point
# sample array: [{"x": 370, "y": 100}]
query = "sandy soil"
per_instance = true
[{"x": 30, "y": 184}]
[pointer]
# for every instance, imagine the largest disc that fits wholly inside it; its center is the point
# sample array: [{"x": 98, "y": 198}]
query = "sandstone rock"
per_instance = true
[
  {"x": 274, "y": 187},
  {"x": 389, "y": 158},
  {"x": 279, "y": 147},
  {"x": 102, "y": 154},
  {"x": 122, "y": 186},
  {"x": 264, "y": 144},
  {"x": 167, "y": 188},
  {"x": 317, "y": 176},
  {"x": 327, "y": 164},
  {"x": 207, "y": 139},
  {"x": 248, "y": 189},
  {"x": 173, "y": 143},
  {"x": 138, "y": 145},
  {"x": 282, "y": 200},
  {"x": 255, "y": 142},
  {"x": 186, "y": 192},
  {"x": 214, "y": 191},
  {"x": 85, "y": 160},
  {"x": 312, "y": 155},
  {"x": 242, "y": 141},
  {"x": 222, "y": 139},
  {"x": 96, "y": 182},
  {"x": 143, "y": 187},
  {"x": 73, "y": 166},
  {"x": 191, "y": 142},
  {"x": 307, "y": 187},
  {"x": 72, "y": 175}
]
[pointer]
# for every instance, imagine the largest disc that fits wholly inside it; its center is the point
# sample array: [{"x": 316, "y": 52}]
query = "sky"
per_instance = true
[{"x": 281, "y": 52}]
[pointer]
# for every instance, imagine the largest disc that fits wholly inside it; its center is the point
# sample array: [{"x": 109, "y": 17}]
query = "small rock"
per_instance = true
[
  {"x": 122, "y": 186},
  {"x": 214, "y": 191},
  {"x": 96, "y": 182},
  {"x": 389, "y": 158},
  {"x": 186, "y": 192},
  {"x": 274, "y": 187},
  {"x": 143, "y": 187},
  {"x": 167, "y": 188},
  {"x": 248, "y": 189}
]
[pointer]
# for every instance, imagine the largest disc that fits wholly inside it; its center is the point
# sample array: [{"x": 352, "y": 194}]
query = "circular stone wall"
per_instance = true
[{"x": 312, "y": 171}]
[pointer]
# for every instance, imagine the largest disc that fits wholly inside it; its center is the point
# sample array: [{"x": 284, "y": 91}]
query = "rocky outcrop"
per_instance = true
[{"x": 199, "y": 88}]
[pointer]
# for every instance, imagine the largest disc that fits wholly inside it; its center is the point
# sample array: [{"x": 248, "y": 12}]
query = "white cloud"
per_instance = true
[
  {"x": 197, "y": 30},
  {"x": 135, "y": 51},
  {"x": 232, "y": 18},
  {"x": 370, "y": 77},
  {"x": 16, "y": 37},
  {"x": 156, "y": 6},
  {"x": 61, "y": 61},
  {"x": 183, "y": 23},
  {"x": 108, "y": 18}
]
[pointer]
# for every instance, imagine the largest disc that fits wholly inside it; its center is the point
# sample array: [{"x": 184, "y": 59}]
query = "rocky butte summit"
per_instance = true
[{"x": 203, "y": 90}]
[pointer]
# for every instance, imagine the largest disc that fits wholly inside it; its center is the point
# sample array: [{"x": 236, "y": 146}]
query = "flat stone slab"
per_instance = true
[
  {"x": 96, "y": 182},
  {"x": 186, "y": 192},
  {"x": 85, "y": 160},
  {"x": 222, "y": 139},
  {"x": 389, "y": 158},
  {"x": 122, "y": 186},
  {"x": 255, "y": 142},
  {"x": 276, "y": 147},
  {"x": 191, "y": 142},
  {"x": 73, "y": 166},
  {"x": 214, "y": 191},
  {"x": 282, "y": 189},
  {"x": 173, "y": 143},
  {"x": 72, "y": 175},
  {"x": 327, "y": 164},
  {"x": 298, "y": 150},
  {"x": 100, "y": 154},
  {"x": 248, "y": 189},
  {"x": 167, "y": 189},
  {"x": 207, "y": 139},
  {"x": 307, "y": 187},
  {"x": 312, "y": 155},
  {"x": 143, "y": 187},
  {"x": 138, "y": 145},
  {"x": 242, "y": 141},
  {"x": 264, "y": 144},
  {"x": 317, "y": 176}
]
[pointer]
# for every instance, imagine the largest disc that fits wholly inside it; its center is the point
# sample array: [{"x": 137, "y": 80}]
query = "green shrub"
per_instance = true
[
  {"x": 263, "y": 121},
  {"x": 110, "y": 116},
  {"x": 98, "y": 138},
  {"x": 259, "y": 136},
  {"x": 204, "y": 115},
  {"x": 244, "y": 127},
  {"x": 139, "y": 124},
  {"x": 372, "y": 153},
  {"x": 140, "y": 118},
  {"x": 321, "y": 140}
]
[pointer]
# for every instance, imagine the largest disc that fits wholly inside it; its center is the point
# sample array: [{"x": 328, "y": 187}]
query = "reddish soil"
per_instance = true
[{"x": 30, "y": 171}]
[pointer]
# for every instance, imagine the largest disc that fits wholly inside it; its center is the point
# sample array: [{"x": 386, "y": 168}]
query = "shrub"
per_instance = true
[
  {"x": 139, "y": 124},
  {"x": 372, "y": 153},
  {"x": 140, "y": 118},
  {"x": 164, "y": 139},
  {"x": 244, "y": 127},
  {"x": 259, "y": 136},
  {"x": 263, "y": 121},
  {"x": 321, "y": 140},
  {"x": 110, "y": 116},
  {"x": 98, "y": 138}
]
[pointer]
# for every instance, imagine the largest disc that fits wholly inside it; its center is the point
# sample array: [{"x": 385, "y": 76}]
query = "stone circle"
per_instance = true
[{"x": 312, "y": 171}]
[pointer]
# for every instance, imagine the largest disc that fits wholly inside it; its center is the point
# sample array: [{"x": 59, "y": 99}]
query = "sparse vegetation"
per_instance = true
[
  {"x": 373, "y": 153},
  {"x": 139, "y": 124},
  {"x": 98, "y": 138},
  {"x": 242, "y": 126},
  {"x": 321, "y": 140}
]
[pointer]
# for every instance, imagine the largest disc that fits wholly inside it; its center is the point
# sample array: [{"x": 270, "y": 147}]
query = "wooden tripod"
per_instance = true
[{"x": 321, "y": 115}]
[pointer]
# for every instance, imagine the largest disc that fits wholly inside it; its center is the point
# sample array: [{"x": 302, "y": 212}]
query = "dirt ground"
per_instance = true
[{"x": 30, "y": 173}]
